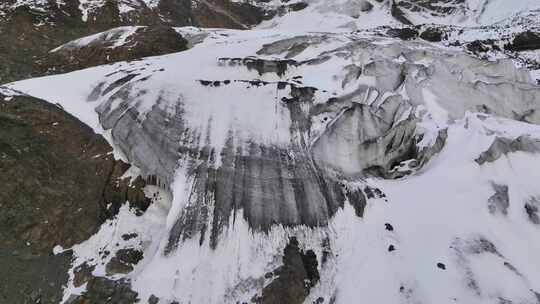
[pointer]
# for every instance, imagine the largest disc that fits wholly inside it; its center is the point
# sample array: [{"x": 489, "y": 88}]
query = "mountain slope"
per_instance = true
[
  {"x": 331, "y": 154},
  {"x": 52, "y": 23},
  {"x": 338, "y": 133}
]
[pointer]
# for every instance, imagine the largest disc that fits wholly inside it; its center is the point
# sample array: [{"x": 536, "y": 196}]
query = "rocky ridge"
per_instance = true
[{"x": 54, "y": 193}]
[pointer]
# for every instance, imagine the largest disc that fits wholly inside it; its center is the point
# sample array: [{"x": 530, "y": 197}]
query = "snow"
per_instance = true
[
  {"x": 331, "y": 16},
  {"x": 495, "y": 11},
  {"x": 73, "y": 99},
  {"x": 439, "y": 213},
  {"x": 9, "y": 93},
  {"x": 435, "y": 213},
  {"x": 34, "y": 4},
  {"x": 429, "y": 212},
  {"x": 87, "y": 6},
  {"x": 438, "y": 113},
  {"x": 116, "y": 37},
  {"x": 126, "y": 6}
]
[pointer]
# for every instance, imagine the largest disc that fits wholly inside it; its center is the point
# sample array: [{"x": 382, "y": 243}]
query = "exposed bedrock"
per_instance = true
[
  {"x": 433, "y": 34},
  {"x": 54, "y": 192},
  {"x": 294, "y": 279},
  {"x": 103, "y": 290},
  {"x": 524, "y": 41},
  {"x": 108, "y": 47}
]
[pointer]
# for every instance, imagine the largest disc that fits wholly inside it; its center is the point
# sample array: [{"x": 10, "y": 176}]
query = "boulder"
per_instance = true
[{"x": 525, "y": 41}]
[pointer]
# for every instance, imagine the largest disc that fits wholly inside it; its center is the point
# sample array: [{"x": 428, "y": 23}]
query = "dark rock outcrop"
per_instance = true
[
  {"x": 27, "y": 276},
  {"x": 432, "y": 34},
  {"x": 405, "y": 33},
  {"x": 227, "y": 14},
  {"x": 524, "y": 41},
  {"x": 82, "y": 274},
  {"x": 293, "y": 279},
  {"x": 398, "y": 13},
  {"x": 105, "y": 291},
  {"x": 59, "y": 182},
  {"x": 482, "y": 46},
  {"x": 365, "y": 6},
  {"x": 123, "y": 261},
  {"x": 40, "y": 166},
  {"x": 144, "y": 42}
]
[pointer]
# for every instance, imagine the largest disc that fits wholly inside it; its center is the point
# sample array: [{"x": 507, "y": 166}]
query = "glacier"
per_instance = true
[{"x": 408, "y": 169}]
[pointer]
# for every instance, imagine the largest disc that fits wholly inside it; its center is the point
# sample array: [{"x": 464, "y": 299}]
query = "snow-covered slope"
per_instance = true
[{"x": 406, "y": 171}]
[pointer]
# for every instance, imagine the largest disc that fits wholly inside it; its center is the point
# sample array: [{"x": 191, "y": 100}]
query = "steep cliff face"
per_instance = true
[{"x": 337, "y": 152}]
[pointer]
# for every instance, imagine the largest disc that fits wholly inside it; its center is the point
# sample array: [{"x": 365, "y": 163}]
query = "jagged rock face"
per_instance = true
[{"x": 54, "y": 192}]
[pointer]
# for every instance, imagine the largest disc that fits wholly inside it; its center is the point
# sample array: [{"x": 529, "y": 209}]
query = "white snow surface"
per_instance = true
[
  {"x": 440, "y": 214},
  {"x": 115, "y": 37}
]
